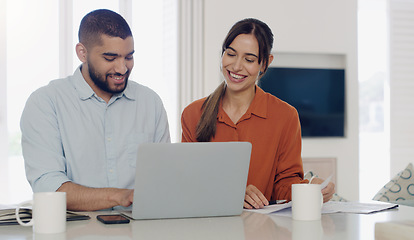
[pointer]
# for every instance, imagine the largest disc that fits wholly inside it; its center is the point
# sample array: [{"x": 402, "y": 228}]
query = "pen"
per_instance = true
[{"x": 276, "y": 202}]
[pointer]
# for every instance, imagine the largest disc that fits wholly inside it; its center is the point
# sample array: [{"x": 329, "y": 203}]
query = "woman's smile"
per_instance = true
[{"x": 237, "y": 78}]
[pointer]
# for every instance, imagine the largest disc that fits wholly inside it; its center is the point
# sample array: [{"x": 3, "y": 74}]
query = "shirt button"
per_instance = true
[
  {"x": 109, "y": 139},
  {"x": 111, "y": 171}
]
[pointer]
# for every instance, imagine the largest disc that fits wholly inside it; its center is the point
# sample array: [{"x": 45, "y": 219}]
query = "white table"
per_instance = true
[{"x": 247, "y": 226}]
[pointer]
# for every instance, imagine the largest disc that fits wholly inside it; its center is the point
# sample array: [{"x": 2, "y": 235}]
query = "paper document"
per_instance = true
[
  {"x": 271, "y": 208},
  {"x": 355, "y": 207},
  {"x": 328, "y": 207}
]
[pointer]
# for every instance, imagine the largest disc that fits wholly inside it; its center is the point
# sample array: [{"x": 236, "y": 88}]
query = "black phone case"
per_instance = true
[{"x": 106, "y": 219}]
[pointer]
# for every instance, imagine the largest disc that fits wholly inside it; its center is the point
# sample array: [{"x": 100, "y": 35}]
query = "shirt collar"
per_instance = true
[
  {"x": 85, "y": 91},
  {"x": 258, "y": 107},
  {"x": 128, "y": 93}
]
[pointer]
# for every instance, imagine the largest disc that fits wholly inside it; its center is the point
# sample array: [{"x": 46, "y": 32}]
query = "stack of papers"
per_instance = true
[{"x": 8, "y": 215}]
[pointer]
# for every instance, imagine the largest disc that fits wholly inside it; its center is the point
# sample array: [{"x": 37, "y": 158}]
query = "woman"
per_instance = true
[{"x": 238, "y": 110}]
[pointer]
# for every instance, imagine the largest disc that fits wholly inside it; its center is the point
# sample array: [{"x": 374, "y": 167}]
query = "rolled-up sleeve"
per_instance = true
[{"x": 41, "y": 143}]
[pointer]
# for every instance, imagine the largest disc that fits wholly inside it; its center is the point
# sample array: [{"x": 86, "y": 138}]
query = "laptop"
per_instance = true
[{"x": 183, "y": 180}]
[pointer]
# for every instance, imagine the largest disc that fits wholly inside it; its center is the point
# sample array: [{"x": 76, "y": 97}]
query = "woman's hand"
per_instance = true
[
  {"x": 328, "y": 191},
  {"x": 254, "y": 198}
]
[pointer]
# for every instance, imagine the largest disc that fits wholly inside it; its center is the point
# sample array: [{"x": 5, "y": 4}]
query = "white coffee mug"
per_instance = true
[
  {"x": 48, "y": 212},
  {"x": 307, "y": 201}
]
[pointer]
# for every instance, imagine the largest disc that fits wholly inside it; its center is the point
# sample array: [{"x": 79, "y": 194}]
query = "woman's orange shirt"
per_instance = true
[{"x": 272, "y": 127}]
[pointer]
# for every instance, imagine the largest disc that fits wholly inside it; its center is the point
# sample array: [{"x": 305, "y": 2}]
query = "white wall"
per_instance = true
[
  {"x": 4, "y": 145},
  {"x": 299, "y": 26}
]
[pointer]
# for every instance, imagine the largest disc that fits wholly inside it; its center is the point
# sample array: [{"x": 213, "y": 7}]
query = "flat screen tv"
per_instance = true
[{"x": 317, "y": 94}]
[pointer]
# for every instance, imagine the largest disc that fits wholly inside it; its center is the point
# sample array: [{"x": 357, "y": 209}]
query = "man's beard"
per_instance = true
[{"x": 101, "y": 82}]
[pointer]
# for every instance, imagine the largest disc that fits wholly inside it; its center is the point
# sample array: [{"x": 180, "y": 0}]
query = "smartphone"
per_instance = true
[{"x": 112, "y": 219}]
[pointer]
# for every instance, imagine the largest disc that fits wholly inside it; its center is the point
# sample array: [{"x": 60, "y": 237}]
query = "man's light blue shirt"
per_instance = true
[{"x": 71, "y": 134}]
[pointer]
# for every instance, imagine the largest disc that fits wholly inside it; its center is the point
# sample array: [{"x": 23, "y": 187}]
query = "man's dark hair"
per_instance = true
[{"x": 102, "y": 21}]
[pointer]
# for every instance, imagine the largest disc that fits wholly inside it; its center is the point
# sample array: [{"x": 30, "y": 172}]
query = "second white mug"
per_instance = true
[
  {"x": 307, "y": 202},
  {"x": 48, "y": 212}
]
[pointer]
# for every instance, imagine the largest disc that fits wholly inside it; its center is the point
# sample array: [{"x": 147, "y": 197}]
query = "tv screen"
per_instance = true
[{"x": 317, "y": 94}]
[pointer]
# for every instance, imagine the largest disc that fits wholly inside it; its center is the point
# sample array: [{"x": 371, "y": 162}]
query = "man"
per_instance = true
[{"x": 80, "y": 133}]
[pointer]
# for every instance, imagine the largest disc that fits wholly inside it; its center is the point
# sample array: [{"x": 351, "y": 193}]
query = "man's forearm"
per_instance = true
[{"x": 80, "y": 198}]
